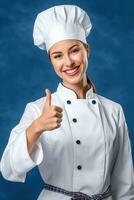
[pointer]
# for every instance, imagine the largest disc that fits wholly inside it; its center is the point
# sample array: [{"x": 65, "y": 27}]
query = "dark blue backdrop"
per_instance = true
[{"x": 25, "y": 71}]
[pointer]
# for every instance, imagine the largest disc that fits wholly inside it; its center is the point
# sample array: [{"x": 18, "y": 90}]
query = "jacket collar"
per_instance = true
[{"x": 67, "y": 93}]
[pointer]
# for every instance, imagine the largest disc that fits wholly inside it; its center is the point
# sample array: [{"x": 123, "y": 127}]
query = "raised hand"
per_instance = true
[{"x": 51, "y": 116}]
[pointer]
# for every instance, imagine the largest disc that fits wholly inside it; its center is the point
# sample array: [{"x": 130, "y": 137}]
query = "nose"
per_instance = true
[{"x": 68, "y": 61}]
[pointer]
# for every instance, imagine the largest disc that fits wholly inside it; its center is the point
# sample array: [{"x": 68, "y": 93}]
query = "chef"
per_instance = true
[{"x": 78, "y": 139}]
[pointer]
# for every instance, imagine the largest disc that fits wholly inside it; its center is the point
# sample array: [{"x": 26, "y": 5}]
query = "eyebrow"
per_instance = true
[{"x": 61, "y": 52}]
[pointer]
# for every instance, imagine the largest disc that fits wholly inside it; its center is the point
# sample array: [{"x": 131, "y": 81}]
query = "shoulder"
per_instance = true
[
  {"x": 111, "y": 109},
  {"x": 108, "y": 101},
  {"x": 108, "y": 104}
]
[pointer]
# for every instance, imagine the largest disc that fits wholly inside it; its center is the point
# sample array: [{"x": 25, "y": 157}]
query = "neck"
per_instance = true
[{"x": 80, "y": 88}]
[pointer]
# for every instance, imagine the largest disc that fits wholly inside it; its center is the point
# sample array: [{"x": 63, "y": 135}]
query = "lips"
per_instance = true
[{"x": 72, "y": 72}]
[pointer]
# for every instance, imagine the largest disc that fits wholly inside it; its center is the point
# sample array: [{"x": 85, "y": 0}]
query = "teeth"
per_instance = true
[{"x": 71, "y": 70}]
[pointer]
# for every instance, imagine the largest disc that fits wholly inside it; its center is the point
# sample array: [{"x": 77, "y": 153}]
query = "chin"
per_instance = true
[{"x": 74, "y": 81}]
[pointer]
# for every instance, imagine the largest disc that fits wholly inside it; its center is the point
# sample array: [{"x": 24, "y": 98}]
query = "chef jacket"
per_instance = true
[{"x": 88, "y": 152}]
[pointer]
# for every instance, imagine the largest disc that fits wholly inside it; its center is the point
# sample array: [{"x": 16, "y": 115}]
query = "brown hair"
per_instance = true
[
  {"x": 86, "y": 45},
  {"x": 92, "y": 84}
]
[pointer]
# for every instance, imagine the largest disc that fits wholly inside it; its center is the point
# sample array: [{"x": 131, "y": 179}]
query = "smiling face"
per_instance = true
[{"x": 70, "y": 61}]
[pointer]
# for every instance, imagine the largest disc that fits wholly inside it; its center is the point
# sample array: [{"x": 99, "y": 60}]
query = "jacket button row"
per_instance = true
[
  {"x": 79, "y": 167},
  {"x": 69, "y": 102}
]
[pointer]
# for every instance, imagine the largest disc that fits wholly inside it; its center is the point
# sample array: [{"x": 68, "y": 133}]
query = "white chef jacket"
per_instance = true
[{"x": 88, "y": 152}]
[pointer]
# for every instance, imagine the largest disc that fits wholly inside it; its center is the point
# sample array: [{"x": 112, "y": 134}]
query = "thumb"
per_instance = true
[{"x": 48, "y": 98}]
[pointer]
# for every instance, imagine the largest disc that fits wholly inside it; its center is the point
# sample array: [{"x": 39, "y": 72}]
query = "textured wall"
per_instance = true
[{"x": 25, "y": 71}]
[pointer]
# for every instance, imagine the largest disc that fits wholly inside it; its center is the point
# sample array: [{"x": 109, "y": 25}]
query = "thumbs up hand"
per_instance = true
[{"x": 51, "y": 116}]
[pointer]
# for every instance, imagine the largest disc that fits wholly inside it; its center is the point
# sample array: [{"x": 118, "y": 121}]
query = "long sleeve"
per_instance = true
[
  {"x": 122, "y": 178},
  {"x": 16, "y": 161}
]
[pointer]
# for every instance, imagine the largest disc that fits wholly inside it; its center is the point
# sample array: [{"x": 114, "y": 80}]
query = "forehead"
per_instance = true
[{"x": 64, "y": 44}]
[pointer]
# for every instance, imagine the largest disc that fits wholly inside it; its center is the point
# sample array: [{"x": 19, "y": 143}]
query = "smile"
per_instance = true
[{"x": 72, "y": 72}]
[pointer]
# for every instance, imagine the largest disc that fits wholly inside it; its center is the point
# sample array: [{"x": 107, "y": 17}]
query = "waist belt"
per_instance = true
[{"x": 79, "y": 195}]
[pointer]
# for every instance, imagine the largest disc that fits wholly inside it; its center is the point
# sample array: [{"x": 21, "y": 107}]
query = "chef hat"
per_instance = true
[{"x": 59, "y": 23}]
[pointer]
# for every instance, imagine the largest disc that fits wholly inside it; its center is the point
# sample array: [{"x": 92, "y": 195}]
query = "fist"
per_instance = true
[{"x": 51, "y": 116}]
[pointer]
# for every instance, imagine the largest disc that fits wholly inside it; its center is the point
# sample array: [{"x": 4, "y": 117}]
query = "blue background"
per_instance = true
[{"x": 25, "y": 71}]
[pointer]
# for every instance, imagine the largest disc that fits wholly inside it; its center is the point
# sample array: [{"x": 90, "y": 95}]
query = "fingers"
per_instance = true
[
  {"x": 58, "y": 121},
  {"x": 57, "y": 108},
  {"x": 48, "y": 98},
  {"x": 51, "y": 116},
  {"x": 59, "y": 115}
]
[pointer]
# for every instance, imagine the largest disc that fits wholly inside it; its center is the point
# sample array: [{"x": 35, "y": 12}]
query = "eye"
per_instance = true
[
  {"x": 57, "y": 56},
  {"x": 75, "y": 50}
]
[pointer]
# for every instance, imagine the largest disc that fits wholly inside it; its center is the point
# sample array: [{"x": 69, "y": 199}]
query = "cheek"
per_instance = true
[
  {"x": 82, "y": 58},
  {"x": 78, "y": 58},
  {"x": 84, "y": 61}
]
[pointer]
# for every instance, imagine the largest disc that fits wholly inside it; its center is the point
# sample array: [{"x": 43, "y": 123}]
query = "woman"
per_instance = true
[{"x": 77, "y": 138}]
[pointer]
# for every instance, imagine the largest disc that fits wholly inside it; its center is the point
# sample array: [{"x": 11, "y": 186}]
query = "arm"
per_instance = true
[
  {"x": 16, "y": 161},
  {"x": 24, "y": 149},
  {"x": 122, "y": 178},
  {"x": 49, "y": 119}
]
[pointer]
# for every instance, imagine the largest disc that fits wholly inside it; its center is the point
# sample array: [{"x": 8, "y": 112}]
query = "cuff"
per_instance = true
[{"x": 21, "y": 161}]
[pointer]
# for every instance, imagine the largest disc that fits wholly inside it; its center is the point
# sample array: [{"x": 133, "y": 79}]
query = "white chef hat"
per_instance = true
[{"x": 59, "y": 23}]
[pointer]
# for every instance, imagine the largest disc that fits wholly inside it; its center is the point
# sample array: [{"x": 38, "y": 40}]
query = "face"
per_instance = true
[{"x": 70, "y": 61}]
